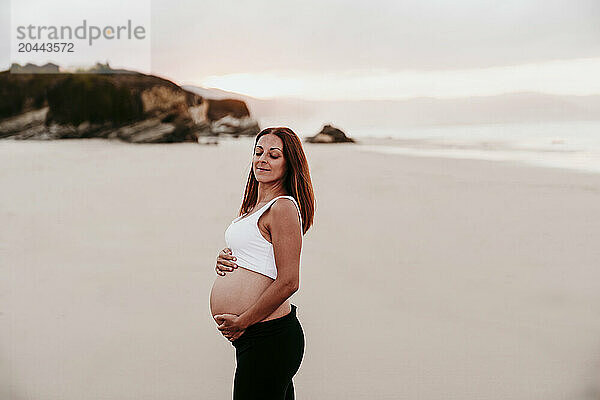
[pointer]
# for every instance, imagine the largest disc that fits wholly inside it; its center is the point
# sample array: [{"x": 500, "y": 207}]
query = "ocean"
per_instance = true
[{"x": 570, "y": 145}]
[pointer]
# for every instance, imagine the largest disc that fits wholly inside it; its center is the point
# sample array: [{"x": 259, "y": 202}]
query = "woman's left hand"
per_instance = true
[{"x": 229, "y": 325}]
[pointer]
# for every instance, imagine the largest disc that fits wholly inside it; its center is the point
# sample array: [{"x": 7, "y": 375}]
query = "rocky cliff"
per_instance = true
[{"x": 130, "y": 106}]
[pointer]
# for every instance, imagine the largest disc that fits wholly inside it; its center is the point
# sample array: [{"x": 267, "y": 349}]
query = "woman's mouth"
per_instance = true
[{"x": 261, "y": 169}]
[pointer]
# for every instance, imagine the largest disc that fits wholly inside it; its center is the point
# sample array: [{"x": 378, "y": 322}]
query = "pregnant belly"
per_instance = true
[{"x": 238, "y": 290}]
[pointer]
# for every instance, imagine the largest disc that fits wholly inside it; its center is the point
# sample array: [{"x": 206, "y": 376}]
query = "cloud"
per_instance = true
[{"x": 243, "y": 36}]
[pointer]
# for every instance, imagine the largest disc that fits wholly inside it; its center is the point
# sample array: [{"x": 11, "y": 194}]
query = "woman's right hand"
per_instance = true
[{"x": 225, "y": 262}]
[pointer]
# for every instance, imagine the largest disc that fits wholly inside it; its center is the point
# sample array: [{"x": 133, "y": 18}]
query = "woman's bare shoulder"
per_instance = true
[{"x": 284, "y": 213}]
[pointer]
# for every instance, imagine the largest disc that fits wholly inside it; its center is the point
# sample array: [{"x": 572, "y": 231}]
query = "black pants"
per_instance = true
[{"x": 268, "y": 355}]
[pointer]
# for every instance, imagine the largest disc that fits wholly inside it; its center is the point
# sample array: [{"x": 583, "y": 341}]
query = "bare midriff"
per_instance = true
[{"x": 238, "y": 290}]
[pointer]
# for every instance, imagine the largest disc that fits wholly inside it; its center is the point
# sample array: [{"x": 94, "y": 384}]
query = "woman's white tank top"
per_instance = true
[{"x": 249, "y": 246}]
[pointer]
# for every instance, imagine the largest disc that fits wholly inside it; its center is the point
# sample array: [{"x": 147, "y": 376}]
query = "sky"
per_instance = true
[{"x": 334, "y": 49}]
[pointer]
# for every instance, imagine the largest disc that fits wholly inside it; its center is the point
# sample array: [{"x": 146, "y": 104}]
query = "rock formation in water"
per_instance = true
[
  {"x": 330, "y": 134},
  {"x": 127, "y": 105}
]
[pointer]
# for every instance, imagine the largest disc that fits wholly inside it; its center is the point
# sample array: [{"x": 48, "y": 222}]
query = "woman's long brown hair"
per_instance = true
[{"x": 297, "y": 180}]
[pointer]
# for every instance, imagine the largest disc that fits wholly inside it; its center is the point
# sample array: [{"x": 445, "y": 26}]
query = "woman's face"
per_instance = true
[{"x": 268, "y": 162}]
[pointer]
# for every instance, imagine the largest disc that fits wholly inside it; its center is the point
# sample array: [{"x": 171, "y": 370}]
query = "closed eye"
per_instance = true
[{"x": 273, "y": 157}]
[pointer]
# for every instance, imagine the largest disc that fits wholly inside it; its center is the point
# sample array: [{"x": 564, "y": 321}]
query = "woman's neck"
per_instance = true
[{"x": 265, "y": 194}]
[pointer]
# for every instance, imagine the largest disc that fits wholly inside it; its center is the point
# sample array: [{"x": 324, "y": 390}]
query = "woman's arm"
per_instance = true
[{"x": 286, "y": 236}]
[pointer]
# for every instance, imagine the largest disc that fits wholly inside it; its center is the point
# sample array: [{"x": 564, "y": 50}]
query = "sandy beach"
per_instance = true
[{"x": 422, "y": 278}]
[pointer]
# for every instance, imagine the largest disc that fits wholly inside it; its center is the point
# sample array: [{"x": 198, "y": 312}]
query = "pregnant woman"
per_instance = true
[{"x": 260, "y": 269}]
